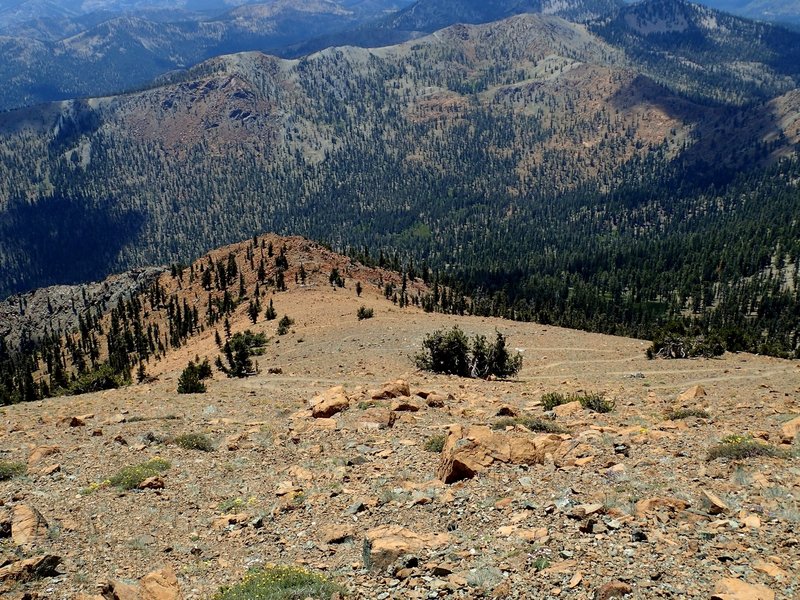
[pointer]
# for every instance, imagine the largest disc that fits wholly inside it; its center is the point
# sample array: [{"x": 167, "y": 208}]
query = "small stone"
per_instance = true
[
  {"x": 336, "y": 534},
  {"x": 565, "y": 410},
  {"x": 152, "y": 483},
  {"x": 355, "y": 508},
  {"x": 789, "y": 430},
  {"x": 696, "y": 391},
  {"x": 507, "y": 411},
  {"x": 405, "y": 406},
  {"x": 612, "y": 589},
  {"x": 715, "y": 503},
  {"x": 42, "y": 452},
  {"x": 770, "y": 568},
  {"x": 575, "y": 581},
  {"x": 585, "y": 510},
  {"x": 752, "y": 522},
  {"x": 394, "y": 389},
  {"x": 329, "y": 403}
]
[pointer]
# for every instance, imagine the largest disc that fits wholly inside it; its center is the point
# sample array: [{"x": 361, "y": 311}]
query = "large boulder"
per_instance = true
[
  {"x": 392, "y": 389},
  {"x": 28, "y": 526},
  {"x": 789, "y": 430},
  {"x": 468, "y": 451},
  {"x": 30, "y": 568},
  {"x": 329, "y": 403},
  {"x": 158, "y": 585},
  {"x": 387, "y": 543},
  {"x": 736, "y": 589}
]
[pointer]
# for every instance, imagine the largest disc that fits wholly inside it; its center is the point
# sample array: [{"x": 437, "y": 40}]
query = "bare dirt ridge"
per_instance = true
[{"x": 624, "y": 502}]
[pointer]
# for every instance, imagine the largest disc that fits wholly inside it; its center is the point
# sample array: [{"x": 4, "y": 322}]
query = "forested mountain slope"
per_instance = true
[{"x": 563, "y": 177}]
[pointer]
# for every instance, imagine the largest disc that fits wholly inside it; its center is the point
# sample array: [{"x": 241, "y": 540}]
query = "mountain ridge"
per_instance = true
[{"x": 531, "y": 141}]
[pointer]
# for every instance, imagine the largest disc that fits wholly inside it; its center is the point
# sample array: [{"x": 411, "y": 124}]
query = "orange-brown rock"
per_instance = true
[
  {"x": 389, "y": 542},
  {"x": 28, "y": 526},
  {"x": 715, "y": 504},
  {"x": 158, "y": 585},
  {"x": 653, "y": 504},
  {"x": 329, "y": 403},
  {"x": 612, "y": 589},
  {"x": 376, "y": 418},
  {"x": 152, "y": 483},
  {"x": 392, "y": 389},
  {"x": 468, "y": 451},
  {"x": 336, "y": 534},
  {"x": 29, "y": 568},
  {"x": 736, "y": 589},
  {"x": 435, "y": 400},
  {"x": 42, "y": 452},
  {"x": 570, "y": 408},
  {"x": 696, "y": 391},
  {"x": 789, "y": 430},
  {"x": 405, "y": 405}
]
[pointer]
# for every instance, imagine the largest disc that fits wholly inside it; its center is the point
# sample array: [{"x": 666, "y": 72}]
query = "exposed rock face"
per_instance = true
[
  {"x": 613, "y": 589},
  {"x": 29, "y": 568},
  {"x": 393, "y": 389},
  {"x": 42, "y": 452},
  {"x": 643, "y": 507},
  {"x": 736, "y": 589},
  {"x": 28, "y": 526},
  {"x": 471, "y": 450},
  {"x": 694, "y": 392},
  {"x": 58, "y": 307},
  {"x": 158, "y": 585},
  {"x": 789, "y": 430},
  {"x": 386, "y": 544}
]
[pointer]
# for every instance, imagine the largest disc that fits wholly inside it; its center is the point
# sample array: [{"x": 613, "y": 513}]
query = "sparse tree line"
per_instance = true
[{"x": 107, "y": 351}]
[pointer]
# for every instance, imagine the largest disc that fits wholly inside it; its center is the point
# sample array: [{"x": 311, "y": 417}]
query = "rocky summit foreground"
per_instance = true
[{"x": 396, "y": 483}]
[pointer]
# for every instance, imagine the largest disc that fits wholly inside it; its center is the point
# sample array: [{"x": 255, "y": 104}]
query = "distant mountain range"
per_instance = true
[
  {"x": 55, "y": 51},
  {"x": 615, "y": 174},
  {"x": 58, "y": 51},
  {"x": 372, "y": 143},
  {"x": 780, "y": 11}
]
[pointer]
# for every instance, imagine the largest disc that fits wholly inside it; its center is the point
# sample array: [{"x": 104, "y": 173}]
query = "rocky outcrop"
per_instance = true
[{"x": 470, "y": 450}]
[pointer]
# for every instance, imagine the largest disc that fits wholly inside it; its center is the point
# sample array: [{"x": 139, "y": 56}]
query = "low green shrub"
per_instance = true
[
  {"x": 194, "y": 441},
  {"x": 596, "y": 402},
  {"x": 687, "y": 413},
  {"x": 530, "y": 423},
  {"x": 281, "y": 583},
  {"x": 284, "y": 324},
  {"x": 365, "y": 313},
  {"x": 552, "y": 399},
  {"x": 130, "y": 477},
  {"x": 11, "y": 469},
  {"x": 591, "y": 401},
  {"x": 435, "y": 443},
  {"x": 737, "y": 447},
  {"x": 452, "y": 353}
]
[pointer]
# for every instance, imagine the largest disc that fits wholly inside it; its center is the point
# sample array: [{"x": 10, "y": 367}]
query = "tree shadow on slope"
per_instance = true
[{"x": 61, "y": 241}]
